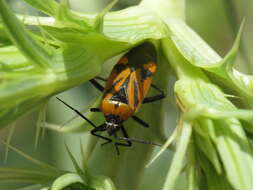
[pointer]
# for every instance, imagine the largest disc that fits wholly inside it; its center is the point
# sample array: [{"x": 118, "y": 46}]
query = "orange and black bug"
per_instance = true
[{"x": 124, "y": 92}]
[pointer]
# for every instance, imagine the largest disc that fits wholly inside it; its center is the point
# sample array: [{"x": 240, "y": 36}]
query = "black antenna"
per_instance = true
[
  {"x": 138, "y": 141},
  {"x": 79, "y": 113}
]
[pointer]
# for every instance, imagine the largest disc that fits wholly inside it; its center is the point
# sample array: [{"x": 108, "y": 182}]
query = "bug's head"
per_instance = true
[{"x": 112, "y": 123}]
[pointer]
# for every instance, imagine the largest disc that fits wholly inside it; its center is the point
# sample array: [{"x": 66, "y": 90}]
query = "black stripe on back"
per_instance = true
[
  {"x": 145, "y": 74},
  {"x": 113, "y": 85},
  {"x": 121, "y": 95},
  {"x": 120, "y": 67},
  {"x": 136, "y": 100}
]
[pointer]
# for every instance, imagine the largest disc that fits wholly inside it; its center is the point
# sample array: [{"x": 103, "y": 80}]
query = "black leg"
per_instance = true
[
  {"x": 95, "y": 110},
  {"x": 79, "y": 113},
  {"x": 97, "y": 85},
  {"x": 127, "y": 144},
  {"x": 100, "y": 129},
  {"x": 156, "y": 97},
  {"x": 153, "y": 98},
  {"x": 140, "y": 121}
]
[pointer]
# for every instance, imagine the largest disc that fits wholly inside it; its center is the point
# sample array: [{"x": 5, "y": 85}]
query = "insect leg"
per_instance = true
[
  {"x": 156, "y": 97},
  {"x": 97, "y": 85},
  {"x": 127, "y": 144},
  {"x": 79, "y": 113},
  {"x": 95, "y": 110},
  {"x": 99, "y": 129},
  {"x": 140, "y": 121}
]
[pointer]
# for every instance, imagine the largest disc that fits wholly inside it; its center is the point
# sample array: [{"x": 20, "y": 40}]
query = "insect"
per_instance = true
[{"x": 124, "y": 92}]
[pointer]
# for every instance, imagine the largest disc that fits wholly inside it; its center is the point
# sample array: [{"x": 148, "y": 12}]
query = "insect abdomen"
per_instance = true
[{"x": 116, "y": 108}]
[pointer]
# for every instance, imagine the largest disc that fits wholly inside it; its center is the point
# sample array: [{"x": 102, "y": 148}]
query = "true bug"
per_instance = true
[{"x": 124, "y": 92}]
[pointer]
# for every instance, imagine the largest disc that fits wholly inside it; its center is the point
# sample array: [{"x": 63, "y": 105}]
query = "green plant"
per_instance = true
[{"x": 210, "y": 143}]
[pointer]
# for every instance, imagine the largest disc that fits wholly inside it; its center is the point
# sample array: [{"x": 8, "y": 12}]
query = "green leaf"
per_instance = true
[
  {"x": 13, "y": 60},
  {"x": 178, "y": 158},
  {"x": 47, "y": 168},
  {"x": 95, "y": 182},
  {"x": 199, "y": 54},
  {"x": 40, "y": 122},
  {"x": 229, "y": 60},
  {"x": 34, "y": 187},
  {"x": 49, "y": 6},
  {"x": 140, "y": 25},
  {"x": 229, "y": 137},
  {"x": 194, "y": 90},
  {"x": 190, "y": 45},
  {"x": 101, "y": 183},
  {"x": 192, "y": 169},
  {"x": 80, "y": 172},
  {"x": 245, "y": 80},
  {"x": 168, "y": 142},
  {"x": 204, "y": 143},
  {"x": 65, "y": 17},
  {"x": 69, "y": 181},
  {"x": 99, "y": 22},
  {"x": 32, "y": 49},
  {"x": 199, "y": 93},
  {"x": 4, "y": 40},
  {"x": 234, "y": 150},
  {"x": 213, "y": 180},
  {"x": 165, "y": 9},
  {"x": 32, "y": 176},
  {"x": 8, "y": 141}
]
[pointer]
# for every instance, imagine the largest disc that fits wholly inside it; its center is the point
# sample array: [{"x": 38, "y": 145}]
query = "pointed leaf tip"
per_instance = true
[
  {"x": 229, "y": 59},
  {"x": 77, "y": 167}
]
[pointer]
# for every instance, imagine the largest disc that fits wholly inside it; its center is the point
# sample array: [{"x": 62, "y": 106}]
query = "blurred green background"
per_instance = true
[{"x": 211, "y": 19}]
